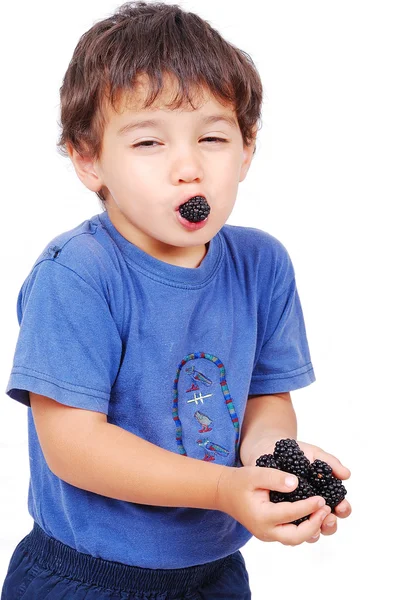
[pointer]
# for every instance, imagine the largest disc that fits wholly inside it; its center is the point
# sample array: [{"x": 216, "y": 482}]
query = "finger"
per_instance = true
[
  {"x": 273, "y": 479},
  {"x": 293, "y": 535},
  {"x": 329, "y": 525},
  {"x": 339, "y": 470},
  {"x": 343, "y": 509},
  {"x": 285, "y": 512},
  {"x": 313, "y": 539}
]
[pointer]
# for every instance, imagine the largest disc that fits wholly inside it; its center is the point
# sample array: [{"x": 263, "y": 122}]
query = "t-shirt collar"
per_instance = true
[{"x": 165, "y": 272}]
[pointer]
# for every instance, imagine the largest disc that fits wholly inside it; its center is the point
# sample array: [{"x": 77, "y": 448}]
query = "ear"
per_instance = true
[
  {"x": 85, "y": 168},
  {"x": 248, "y": 152}
]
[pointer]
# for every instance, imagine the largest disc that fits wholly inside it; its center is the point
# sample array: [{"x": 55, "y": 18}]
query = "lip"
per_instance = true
[
  {"x": 191, "y": 226},
  {"x": 183, "y": 200}
]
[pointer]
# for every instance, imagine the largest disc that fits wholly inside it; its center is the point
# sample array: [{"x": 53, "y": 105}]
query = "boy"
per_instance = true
[{"x": 157, "y": 345}]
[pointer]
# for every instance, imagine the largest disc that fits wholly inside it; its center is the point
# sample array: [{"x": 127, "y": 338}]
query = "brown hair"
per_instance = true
[{"x": 151, "y": 39}]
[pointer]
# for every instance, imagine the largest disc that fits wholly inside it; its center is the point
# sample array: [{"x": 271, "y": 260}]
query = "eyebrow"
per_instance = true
[{"x": 155, "y": 122}]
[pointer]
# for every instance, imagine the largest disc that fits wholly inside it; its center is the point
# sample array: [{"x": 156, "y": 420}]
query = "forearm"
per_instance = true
[
  {"x": 115, "y": 463},
  {"x": 267, "y": 419}
]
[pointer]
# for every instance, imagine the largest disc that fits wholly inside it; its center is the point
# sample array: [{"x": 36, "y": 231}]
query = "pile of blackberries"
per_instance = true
[{"x": 314, "y": 479}]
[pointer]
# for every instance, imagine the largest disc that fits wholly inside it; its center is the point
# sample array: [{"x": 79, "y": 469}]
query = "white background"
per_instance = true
[{"x": 325, "y": 181}]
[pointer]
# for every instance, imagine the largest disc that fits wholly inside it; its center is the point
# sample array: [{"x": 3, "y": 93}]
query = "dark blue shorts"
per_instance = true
[{"x": 43, "y": 568}]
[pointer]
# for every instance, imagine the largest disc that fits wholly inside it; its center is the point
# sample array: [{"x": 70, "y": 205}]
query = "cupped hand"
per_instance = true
[
  {"x": 343, "y": 509},
  {"x": 244, "y": 494}
]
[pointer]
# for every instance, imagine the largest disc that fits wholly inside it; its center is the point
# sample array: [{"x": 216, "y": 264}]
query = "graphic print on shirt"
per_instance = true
[
  {"x": 212, "y": 449},
  {"x": 204, "y": 421},
  {"x": 204, "y": 383},
  {"x": 197, "y": 376}
]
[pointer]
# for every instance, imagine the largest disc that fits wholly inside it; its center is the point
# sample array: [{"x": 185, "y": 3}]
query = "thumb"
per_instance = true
[{"x": 273, "y": 479}]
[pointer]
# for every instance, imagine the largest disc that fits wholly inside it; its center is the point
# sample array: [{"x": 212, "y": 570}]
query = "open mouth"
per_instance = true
[
  {"x": 195, "y": 209},
  {"x": 190, "y": 225}
]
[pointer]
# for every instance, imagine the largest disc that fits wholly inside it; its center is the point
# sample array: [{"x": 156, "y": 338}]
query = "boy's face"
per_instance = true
[{"x": 145, "y": 184}]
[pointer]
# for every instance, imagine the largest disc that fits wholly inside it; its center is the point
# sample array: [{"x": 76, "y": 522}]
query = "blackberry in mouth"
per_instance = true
[
  {"x": 195, "y": 209},
  {"x": 314, "y": 479}
]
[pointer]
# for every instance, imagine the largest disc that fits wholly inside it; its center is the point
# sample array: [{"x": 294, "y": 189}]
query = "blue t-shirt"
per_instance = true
[{"x": 170, "y": 354}]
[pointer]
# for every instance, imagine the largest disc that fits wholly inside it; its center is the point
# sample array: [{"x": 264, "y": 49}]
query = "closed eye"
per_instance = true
[
  {"x": 145, "y": 144},
  {"x": 149, "y": 143},
  {"x": 214, "y": 138}
]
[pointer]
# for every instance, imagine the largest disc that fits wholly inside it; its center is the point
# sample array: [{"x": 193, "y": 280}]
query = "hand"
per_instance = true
[
  {"x": 243, "y": 493},
  {"x": 343, "y": 509}
]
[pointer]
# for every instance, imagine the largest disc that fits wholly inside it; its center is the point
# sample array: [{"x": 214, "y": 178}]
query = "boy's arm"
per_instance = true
[
  {"x": 83, "y": 449},
  {"x": 267, "y": 419}
]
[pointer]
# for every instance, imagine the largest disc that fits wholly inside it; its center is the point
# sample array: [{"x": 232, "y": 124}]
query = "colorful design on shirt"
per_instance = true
[
  {"x": 204, "y": 421},
  {"x": 199, "y": 398},
  {"x": 224, "y": 388},
  {"x": 211, "y": 449},
  {"x": 198, "y": 376},
  {"x": 193, "y": 388}
]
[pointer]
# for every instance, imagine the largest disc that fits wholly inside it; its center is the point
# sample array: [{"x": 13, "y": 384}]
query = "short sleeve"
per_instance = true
[
  {"x": 68, "y": 347},
  {"x": 284, "y": 362}
]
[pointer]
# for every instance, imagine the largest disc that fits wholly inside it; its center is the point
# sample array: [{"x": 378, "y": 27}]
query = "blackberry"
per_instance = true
[
  {"x": 320, "y": 471},
  {"x": 195, "y": 209},
  {"x": 326, "y": 485},
  {"x": 303, "y": 491},
  {"x": 267, "y": 460},
  {"x": 314, "y": 479},
  {"x": 290, "y": 458}
]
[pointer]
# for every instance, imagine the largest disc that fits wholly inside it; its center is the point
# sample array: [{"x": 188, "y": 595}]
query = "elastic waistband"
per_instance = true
[{"x": 68, "y": 562}]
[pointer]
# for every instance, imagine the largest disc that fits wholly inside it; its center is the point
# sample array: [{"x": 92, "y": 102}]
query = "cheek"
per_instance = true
[
  {"x": 231, "y": 167},
  {"x": 228, "y": 177},
  {"x": 123, "y": 175}
]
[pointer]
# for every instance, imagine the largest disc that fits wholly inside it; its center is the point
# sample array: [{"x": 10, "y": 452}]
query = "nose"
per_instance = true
[{"x": 186, "y": 166}]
